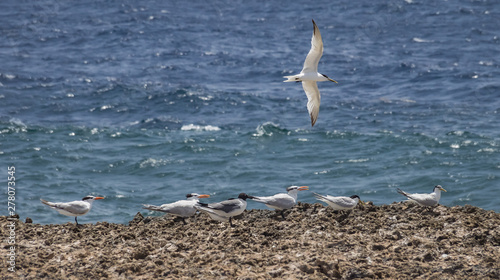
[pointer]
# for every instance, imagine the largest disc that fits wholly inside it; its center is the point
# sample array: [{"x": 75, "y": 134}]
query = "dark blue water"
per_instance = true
[{"x": 145, "y": 102}]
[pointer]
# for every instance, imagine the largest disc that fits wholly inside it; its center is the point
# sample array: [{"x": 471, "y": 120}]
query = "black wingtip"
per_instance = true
[{"x": 313, "y": 121}]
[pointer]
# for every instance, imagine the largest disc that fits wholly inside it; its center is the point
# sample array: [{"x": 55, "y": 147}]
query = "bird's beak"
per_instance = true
[
  {"x": 303, "y": 188},
  {"x": 362, "y": 203},
  {"x": 332, "y": 80},
  {"x": 98, "y": 198},
  {"x": 443, "y": 189},
  {"x": 204, "y": 196}
]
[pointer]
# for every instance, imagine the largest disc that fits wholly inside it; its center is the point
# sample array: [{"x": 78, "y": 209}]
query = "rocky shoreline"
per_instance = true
[{"x": 401, "y": 240}]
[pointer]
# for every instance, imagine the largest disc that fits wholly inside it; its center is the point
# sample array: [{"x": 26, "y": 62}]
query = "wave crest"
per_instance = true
[
  {"x": 193, "y": 127},
  {"x": 269, "y": 129}
]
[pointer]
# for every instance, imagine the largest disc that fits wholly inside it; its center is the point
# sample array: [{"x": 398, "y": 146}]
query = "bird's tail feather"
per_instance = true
[
  {"x": 151, "y": 207},
  {"x": 205, "y": 209},
  {"x": 256, "y": 199},
  {"x": 293, "y": 78},
  {"x": 319, "y": 196},
  {"x": 402, "y": 192},
  {"x": 46, "y": 202},
  {"x": 202, "y": 207}
]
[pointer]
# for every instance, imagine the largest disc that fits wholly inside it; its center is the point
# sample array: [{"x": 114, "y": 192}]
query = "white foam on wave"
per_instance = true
[
  {"x": 420, "y": 40},
  {"x": 266, "y": 129},
  {"x": 358, "y": 160},
  {"x": 17, "y": 122},
  {"x": 193, "y": 127},
  {"x": 486, "y": 150},
  {"x": 455, "y": 146},
  {"x": 151, "y": 162}
]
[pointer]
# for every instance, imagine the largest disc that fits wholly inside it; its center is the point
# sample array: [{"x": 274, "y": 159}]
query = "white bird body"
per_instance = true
[
  {"x": 309, "y": 75},
  {"x": 182, "y": 208},
  {"x": 74, "y": 208},
  {"x": 425, "y": 199},
  {"x": 281, "y": 201},
  {"x": 224, "y": 210},
  {"x": 339, "y": 202}
]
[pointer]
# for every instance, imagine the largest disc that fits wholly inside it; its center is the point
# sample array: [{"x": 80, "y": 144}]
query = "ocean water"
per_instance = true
[{"x": 145, "y": 102}]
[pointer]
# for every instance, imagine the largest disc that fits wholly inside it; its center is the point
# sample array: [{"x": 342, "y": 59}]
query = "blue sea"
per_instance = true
[{"x": 145, "y": 101}]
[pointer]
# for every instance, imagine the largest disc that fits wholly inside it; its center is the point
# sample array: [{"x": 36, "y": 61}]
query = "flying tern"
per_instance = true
[
  {"x": 340, "y": 202},
  {"x": 425, "y": 199},
  {"x": 182, "y": 208},
  {"x": 309, "y": 75},
  {"x": 224, "y": 210},
  {"x": 281, "y": 201},
  {"x": 73, "y": 208}
]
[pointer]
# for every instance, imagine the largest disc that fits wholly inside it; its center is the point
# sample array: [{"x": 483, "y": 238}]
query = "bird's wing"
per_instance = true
[
  {"x": 183, "y": 208},
  {"x": 424, "y": 198},
  {"x": 342, "y": 201},
  {"x": 265, "y": 199},
  {"x": 75, "y": 207},
  {"x": 313, "y": 99},
  {"x": 277, "y": 201},
  {"x": 220, "y": 208},
  {"x": 315, "y": 53},
  {"x": 152, "y": 207},
  {"x": 228, "y": 205},
  {"x": 336, "y": 202}
]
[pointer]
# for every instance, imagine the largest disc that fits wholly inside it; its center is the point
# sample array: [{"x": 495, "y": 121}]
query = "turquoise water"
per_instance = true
[{"x": 143, "y": 103}]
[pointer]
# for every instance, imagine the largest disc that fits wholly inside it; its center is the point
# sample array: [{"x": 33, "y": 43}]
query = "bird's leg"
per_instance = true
[
  {"x": 230, "y": 223},
  {"x": 429, "y": 209},
  {"x": 283, "y": 214},
  {"x": 184, "y": 221},
  {"x": 349, "y": 212},
  {"x": 76, "y": 221}
]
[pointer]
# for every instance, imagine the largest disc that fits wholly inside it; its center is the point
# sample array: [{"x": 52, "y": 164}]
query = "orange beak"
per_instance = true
[
  {"x": 303, "y": 188},
  {"x": 204, "y": 196},
  {"x": 98, "y": 198}
]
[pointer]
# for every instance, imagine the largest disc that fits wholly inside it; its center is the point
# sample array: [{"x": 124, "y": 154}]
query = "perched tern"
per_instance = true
[
  {"x": 339, "y": 202},
  {"x": 182, "y": 208},
  {"x": 73, "y": 208},
  {"x": 309, "y": 75},
  {"x": 224, "y": 210},
  {"x": 425, "y": 199},
  {"x": 281, "y": 201}
]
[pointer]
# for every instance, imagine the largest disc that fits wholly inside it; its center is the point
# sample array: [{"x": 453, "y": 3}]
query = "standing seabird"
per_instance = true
[
  {"x": 340, "y": 202},
  {"x": 281, "y": 201},
  {"x": 309, "y": 75},
  {"x": 73, "y": 208},
  {"x": 181, "y": 208},
  {"x": 226, "y": 209},
  {"x": 425, "y": 199}
]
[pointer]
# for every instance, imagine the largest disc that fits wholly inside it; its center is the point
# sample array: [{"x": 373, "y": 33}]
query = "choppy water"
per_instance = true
[{"x": 144, "y": 102}]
